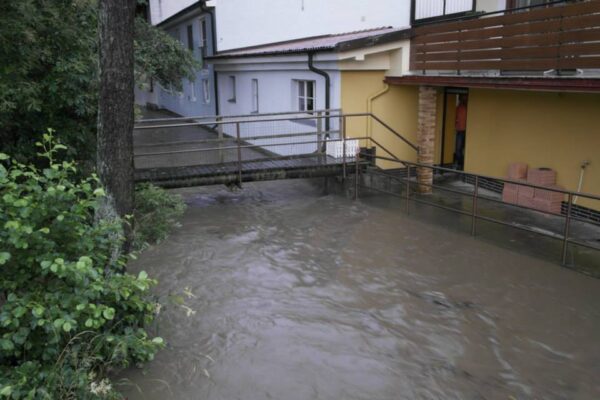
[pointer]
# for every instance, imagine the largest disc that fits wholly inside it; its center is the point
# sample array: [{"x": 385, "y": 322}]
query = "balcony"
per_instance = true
[{"x": 563, "y": 39}]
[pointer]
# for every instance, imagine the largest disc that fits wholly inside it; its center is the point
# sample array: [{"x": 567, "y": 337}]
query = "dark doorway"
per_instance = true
[{"x": 454, "y": 133}]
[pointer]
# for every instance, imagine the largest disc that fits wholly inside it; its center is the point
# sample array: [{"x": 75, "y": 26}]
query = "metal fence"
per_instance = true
[{"x": 412, "y": 189}]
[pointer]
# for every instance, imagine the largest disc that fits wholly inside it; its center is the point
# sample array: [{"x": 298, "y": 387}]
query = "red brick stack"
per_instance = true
[
  {"x": 516, "y": 172},
  {"x": 539, "y": 199}
]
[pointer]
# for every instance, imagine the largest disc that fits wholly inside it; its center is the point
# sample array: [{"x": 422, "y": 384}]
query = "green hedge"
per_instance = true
[{"x": 69, "y": 313}]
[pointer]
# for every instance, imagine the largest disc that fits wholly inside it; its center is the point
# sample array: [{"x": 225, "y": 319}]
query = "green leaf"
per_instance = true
[
  {"x": 89, "y": 323},
  {"x": 6, "y": 391},
  {"x": 142, "y": 275},
  {"x": 4, "y": 156},
  {"x": 6, "y": 344},
  {"x": 38, "y": 311},
  {"x": 108, "y": 313},
  {"x": 66, "y": 327},
  {"x": 4, "y": 257},
  {"x": 158, "y": 340}
]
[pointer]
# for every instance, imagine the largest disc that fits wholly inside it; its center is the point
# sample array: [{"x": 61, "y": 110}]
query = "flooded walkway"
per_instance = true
[{"x": 281, "y": 292}]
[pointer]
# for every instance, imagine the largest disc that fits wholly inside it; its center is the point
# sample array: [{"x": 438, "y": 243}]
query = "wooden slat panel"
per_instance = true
[
  {"x": 579, "y": 49},
  {"x": 512, "y": 30},
  {"x": 581, "y": 62},
  {"x": 587, "y": 35},
  {"x": 542, "y": 39},
  {"x": 514, "y": 18},
  {"x": 502, "y": 20},
  {"x": 515, "y": 53},
  {"x": 515, "y": 41},
  {"x": 524, "y": 65}
]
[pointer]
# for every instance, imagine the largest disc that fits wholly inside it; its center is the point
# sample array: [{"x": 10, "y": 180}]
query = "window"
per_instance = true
[
  {"x": 525, "y": 3},
  {"x": 428, "y": 9},
  {"x": 306, "y": 95},
  {"x": 190, "y": 37},
  {"x": 192, "y": 96},
  {"x": 203, "y": 38},
  {"x": 206, "y": 90},
  {"x": 255, "y": 96},
  {"x": 232, "y": 89}
]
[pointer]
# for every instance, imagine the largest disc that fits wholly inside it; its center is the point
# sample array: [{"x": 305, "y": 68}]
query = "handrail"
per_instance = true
[
  {"x": 376, "y": 118},
  {"x": 565, "y": 237},
  {"x": 140, "y": 121},
  {"x": 317, "y": 116},
  {"x": 486, "y": 14},
  {"x": 236, "y": 121},
  {"x": 511, "y": 181}
]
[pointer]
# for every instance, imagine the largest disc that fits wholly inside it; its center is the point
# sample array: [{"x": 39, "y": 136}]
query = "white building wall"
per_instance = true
[
  {"x": 242, "y": 23},
  {"x": 277, "y": 93},
  {"x": 163, "y": 9}
]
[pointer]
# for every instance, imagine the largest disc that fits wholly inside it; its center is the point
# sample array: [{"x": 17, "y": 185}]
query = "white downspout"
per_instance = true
[{"x": 584, "y": 164}]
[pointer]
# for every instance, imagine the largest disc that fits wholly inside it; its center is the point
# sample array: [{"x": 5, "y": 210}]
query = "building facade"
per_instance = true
[
  {"x": 192, "y": 27},
  {"x": 530, "y": 77}
]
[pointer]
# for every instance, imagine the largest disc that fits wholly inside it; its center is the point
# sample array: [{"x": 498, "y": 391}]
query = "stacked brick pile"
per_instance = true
[{"x": 539, "y": 199}]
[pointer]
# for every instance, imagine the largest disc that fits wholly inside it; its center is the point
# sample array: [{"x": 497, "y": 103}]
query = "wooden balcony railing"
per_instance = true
[{"x": 562, "y": 37}]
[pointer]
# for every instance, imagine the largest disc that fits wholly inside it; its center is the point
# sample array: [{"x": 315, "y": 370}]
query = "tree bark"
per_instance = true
[{"x": 116, "y": 108}]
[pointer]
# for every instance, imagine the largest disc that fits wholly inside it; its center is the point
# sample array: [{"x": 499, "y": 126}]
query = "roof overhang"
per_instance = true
[
  {"x": 340, "y": 47},
  {"x": 189, "y": 12},
  {"x": 591, "y": 85}
]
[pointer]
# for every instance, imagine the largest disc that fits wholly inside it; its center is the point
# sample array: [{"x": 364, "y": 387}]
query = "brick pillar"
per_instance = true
[{"x": 426, "y": 136}]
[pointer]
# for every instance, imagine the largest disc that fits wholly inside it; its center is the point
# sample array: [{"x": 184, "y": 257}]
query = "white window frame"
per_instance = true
[
  {"x": 203, "y": 44},
  {"x": 254, "y": 90},
  {"x": 192, "y": 96},
  {"x": 302, "y": 95},
  {"x": 206, "y": 91},
  {"x": 232, "y": 88}
]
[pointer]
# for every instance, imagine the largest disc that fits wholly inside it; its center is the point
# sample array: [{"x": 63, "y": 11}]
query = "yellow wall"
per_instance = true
[
  {"x": 556, "y": 130},
  {"x": 398, "y": 108}
]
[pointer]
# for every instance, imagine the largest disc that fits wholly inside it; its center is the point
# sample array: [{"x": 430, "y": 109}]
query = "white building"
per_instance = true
[
  {"x": 293, "y": 76},
  {"x": 160, "y": 10}
]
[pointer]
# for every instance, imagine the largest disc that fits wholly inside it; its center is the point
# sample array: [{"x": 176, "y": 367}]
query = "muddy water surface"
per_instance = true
[{"x": 291, "y": 294}]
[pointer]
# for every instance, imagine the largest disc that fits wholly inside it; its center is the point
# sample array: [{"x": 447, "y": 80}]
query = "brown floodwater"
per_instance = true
[{"x": 279, "y": 291}]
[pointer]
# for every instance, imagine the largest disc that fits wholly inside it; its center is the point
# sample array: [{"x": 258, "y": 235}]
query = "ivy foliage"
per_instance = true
[
  {"x": 49, "y": 72},
  {"x": 69, "y": 313}
]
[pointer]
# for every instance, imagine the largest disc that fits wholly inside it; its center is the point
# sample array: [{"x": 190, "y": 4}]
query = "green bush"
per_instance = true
[
  {"x": 69, "y": 313},
  {"x": 156, "y": 213}
]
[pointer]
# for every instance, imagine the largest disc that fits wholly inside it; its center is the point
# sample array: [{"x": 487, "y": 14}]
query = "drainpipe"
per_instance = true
[
  {"x": 584, "y": 165},
  {"x": 325, "y": 75},
  {"x": 370, "y": 100},
  {"x": 213, "y": 30}
]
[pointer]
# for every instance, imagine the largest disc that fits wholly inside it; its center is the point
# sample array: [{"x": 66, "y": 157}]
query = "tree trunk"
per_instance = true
[{"x": 116, "y": 109}]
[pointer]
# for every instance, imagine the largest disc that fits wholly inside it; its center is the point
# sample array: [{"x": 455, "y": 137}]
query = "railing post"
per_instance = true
[
  {"x": 343, "y": 131},
  {"x": 474, "y": 207},
  {"x": 407, "y": 188},
  {"x": 566, "y": 230},
  {"x": 319, "y": 133},
  {"x": 356, "y": 172},
  {"x": 239, "y": 152},
  {"x": 220, "y": 134}
]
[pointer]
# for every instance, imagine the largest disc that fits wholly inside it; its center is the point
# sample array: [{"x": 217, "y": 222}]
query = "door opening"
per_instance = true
[{"x": 454, "y": 128}]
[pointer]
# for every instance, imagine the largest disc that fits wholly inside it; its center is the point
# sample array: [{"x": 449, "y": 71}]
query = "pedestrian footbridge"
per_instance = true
[{"x": 193, "y": 151}]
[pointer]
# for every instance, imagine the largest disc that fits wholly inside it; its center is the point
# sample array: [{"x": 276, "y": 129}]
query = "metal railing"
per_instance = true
[
  {"x": 475, "y": 195},
  {"x": 236, "y": 140}
]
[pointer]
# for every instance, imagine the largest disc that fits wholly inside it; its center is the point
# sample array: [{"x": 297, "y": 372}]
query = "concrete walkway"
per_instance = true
[{"x": 182, "y": 143}]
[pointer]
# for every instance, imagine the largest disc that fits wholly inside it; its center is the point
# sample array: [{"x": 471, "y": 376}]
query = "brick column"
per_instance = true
[{"x": 426, "y": 136}]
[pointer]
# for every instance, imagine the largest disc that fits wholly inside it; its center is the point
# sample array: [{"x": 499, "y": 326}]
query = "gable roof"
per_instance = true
[{"x": 335, "y": 42}]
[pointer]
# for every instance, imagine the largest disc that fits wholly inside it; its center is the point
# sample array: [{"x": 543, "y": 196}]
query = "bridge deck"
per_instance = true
[{"x": 252, "y": 170}]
